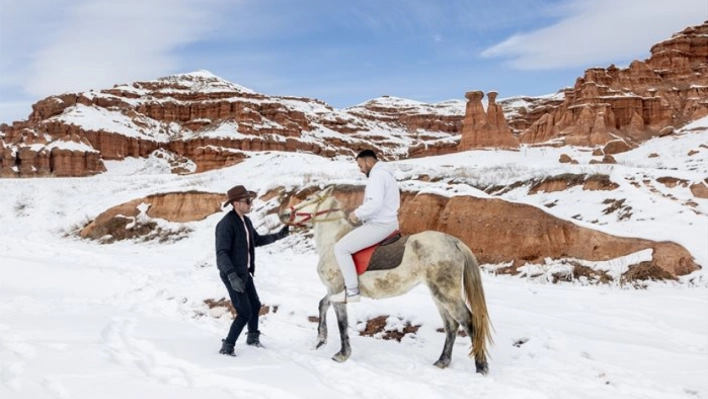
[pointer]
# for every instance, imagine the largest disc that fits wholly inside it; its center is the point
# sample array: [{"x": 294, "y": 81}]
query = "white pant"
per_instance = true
[{"x": 361, "y": 237}]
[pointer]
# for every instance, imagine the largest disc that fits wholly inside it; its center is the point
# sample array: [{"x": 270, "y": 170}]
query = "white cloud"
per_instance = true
[
  {"x": 94, "y": 44},
  {"x": 599, "y": 32}
]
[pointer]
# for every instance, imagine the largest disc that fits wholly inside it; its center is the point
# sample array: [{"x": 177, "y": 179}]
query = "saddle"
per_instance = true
[{"x": 382, "y": 256}]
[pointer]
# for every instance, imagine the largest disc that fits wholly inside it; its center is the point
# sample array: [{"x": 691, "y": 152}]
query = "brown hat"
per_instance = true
[{"x": 237, "y": 193}]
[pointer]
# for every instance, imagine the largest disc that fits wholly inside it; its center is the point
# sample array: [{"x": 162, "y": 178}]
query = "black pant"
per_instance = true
[{"x": 247, "y": 307}]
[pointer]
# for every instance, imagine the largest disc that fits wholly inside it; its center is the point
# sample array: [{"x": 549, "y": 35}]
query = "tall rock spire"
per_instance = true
[{"x": 482, "y": 129}]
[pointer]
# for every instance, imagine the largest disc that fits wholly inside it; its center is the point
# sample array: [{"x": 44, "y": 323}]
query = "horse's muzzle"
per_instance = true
[{"x": 285, "y": 216}]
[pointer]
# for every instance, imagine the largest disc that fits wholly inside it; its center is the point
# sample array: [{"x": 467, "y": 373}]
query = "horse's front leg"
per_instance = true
[
  {"x": 340, "y": 309},
  {"x": 322, "y": 326}
]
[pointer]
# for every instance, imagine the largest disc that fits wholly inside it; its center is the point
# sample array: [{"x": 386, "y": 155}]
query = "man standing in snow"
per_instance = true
[
  {"x": 236, "y": 240},
  {"x": 379, "y": 215}
]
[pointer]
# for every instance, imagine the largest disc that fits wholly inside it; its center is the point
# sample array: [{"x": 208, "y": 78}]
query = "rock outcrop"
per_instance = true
[
  {"x": 213, "y": 123},
  {"x": 700, "y": 190},
  {"x": 668, "y": 89},
  {"x": 34, "y": 156},
  {"x": 482, "y": 129},
  {"x": 179, "y": 207},
  {"x": 498, "y": 231}
]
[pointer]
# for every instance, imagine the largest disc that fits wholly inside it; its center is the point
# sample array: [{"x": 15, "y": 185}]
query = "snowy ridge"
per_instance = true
[
  {"x": 169, "y": 89},
  {"x": 448, "y": 107}
]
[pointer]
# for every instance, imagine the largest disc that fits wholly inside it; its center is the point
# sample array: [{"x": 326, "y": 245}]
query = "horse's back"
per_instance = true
[
  {"x": 436, "y": 237},
  {"x": 437, "y": 243}
]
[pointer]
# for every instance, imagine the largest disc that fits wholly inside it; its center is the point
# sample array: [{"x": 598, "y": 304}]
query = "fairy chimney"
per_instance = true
[{"x": 482, "y": 129}]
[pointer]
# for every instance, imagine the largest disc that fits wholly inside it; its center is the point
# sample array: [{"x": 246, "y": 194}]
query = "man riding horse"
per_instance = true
[{"x": 378, "y": 215}]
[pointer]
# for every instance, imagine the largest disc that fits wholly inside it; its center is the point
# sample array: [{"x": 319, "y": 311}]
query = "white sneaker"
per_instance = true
[
  {"x": 353, "y": 297},
  {"x": 345, "y": 296}
]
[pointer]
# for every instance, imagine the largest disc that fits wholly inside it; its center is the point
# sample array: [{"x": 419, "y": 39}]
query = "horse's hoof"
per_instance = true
[
  {"x": 320, "y": 343},
  {"x": 442, "y": 363},
  {"x": 482, "y": 368},
  {"x": 340, "y": 357}
]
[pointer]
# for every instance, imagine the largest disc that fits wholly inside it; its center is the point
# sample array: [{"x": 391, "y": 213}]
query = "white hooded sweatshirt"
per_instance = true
[{"x": 382, "y": 197}]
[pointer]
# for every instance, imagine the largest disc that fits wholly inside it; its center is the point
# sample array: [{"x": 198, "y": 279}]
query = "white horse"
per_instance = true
[{"x": 442, "y": 262}]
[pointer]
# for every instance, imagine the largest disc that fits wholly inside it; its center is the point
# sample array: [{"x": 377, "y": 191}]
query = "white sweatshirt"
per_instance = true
[{"x": 381, "y": 197}]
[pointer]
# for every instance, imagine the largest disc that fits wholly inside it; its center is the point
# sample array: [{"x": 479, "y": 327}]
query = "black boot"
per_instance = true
[
  {"x": 253, "y": 339},
  {"x": 227, "y": 348}
]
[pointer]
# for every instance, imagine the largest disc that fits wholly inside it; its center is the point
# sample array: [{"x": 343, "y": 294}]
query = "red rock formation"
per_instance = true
[
  {"x": 668, "y": 89},
  {"x": 434, "y": 147},
  {"x": 700, "y": 189},
  {"x": 615, "y": 147},
  {"x": 410, "y": 115},
  {"x": 498, "y": 231},
  {"x": 7, "y": 160},
  {"x": 177, "y": 207},
  {"x": 70, "y": 156},
  {"x": 522, "y": 112},
  {"x": 73, "y": 156},
  {"x": 212, "y": 122},
  {"x": 482, "y": 129}
]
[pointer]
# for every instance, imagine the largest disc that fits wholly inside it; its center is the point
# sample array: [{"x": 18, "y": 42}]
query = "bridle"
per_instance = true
[{"x": 311, "y": 216}]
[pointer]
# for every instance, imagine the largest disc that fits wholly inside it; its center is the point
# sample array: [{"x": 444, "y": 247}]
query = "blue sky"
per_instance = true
[{"x": 341, "y": 52}]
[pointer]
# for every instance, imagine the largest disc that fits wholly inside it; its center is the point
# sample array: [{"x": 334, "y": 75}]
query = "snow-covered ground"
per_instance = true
[{"x": 83, "y": 320}]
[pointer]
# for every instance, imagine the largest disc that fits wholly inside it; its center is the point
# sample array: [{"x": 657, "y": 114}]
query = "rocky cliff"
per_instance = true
[
  {"x": 485, "y": 129},
  {"x": 499, "y": 231},
  {"x": 211, "y": 122},
  {"x": 644, "y": 100}
]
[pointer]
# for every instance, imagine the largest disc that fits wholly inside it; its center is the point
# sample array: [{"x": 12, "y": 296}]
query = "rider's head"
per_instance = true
[{"x": 366, "y": 160}]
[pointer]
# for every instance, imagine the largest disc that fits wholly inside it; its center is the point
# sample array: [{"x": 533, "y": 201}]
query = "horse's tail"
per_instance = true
[{"x": 474, "y": 295}]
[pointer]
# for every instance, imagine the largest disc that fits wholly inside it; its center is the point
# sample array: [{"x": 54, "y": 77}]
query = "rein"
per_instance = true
[{"x": 311, "y": 216}]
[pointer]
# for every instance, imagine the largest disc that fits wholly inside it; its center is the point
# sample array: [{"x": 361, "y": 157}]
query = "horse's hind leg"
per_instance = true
[
  {"x": 451, "y": 326},
  {"x": 340, "y": 309},
  {"x": 463, "y": 316},
  {"x": 322, "y": 325}
]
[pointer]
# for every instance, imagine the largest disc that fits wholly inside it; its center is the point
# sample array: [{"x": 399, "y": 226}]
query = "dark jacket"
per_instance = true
[{"x": 231, "y": 255}]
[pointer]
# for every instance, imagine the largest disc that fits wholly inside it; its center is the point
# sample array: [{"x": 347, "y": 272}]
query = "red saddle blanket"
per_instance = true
[{"x": 363, "y": 257}]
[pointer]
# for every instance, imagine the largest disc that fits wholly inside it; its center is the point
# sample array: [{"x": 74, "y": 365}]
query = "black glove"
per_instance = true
[
  {"x": 284, "y": 231},
  {"x": 237, "y": 283}
]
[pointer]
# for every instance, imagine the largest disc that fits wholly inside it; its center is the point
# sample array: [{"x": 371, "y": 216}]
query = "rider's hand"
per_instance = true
[{"x": 353, "y": 219}]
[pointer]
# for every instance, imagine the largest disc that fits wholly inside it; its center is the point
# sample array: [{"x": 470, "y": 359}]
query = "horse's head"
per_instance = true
[{"x": 310, "y": 210}]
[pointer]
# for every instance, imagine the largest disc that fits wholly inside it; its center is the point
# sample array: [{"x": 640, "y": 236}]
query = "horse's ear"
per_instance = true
[{"x": 327, "y": 191}]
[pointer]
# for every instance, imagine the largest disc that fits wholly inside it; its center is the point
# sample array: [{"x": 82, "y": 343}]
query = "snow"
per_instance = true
[
  {"x": 701, "y": 123},
  {"x": 203, "y": 80},
  {"x": 71, "y": 146},
  {"x": 448, "y": 108},
  {"x": 615, "y": 268},
  {"x": 224, "y": 130},
  {"x": 79, "y": 319},
  {"x": 101, "y": 119}
]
